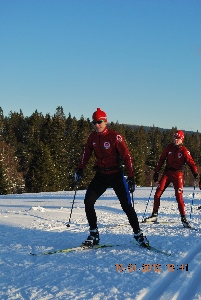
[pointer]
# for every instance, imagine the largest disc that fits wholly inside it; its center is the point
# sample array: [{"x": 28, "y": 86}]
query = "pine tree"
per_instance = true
[
  {"x": 154, "y": 150},
  {"x": 3, "y": 184},
  {"x": 56, "y": 143},
  {"x": 42, "y": 175},
  {"x": 137, "y": 143},
  {"x": 58, "y": 146},
  {"x": 10, "y": 170}
]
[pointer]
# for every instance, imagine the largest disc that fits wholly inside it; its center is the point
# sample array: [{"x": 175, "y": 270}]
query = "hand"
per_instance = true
[
  {"x": 155, "y": 177},
  {"x": 195, "y": 175},
  {"x": 131, "y": 184},
  {"x": 79, "y": 175},
  {"x": 200, "y": 184}
]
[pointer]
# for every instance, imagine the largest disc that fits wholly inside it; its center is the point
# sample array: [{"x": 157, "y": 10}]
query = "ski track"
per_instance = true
[
  {"x": 36, "y": 223},
  {"x": 162, "y": 288}
]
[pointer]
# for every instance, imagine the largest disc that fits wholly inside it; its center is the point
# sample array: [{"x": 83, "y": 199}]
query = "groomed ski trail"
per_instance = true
[{"x": 167, "y": 287}]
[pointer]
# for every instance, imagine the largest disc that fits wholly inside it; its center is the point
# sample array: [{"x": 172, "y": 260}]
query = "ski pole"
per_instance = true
[
  {"x": 193, "y": 198},
  {"x": 132, "y": 199},
  {"x": 147, "y": 203},
  {"x": 68, "y": 225}
]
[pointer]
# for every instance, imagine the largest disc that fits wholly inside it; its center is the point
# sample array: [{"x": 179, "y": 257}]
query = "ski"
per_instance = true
[
  {"x": 168, "y": 222},
  {"x": 151, "y": 248},
  {"x": 95, "y": 247},
  {"x": 77, "y": 248},
  {"x": 158, "y": 222}
]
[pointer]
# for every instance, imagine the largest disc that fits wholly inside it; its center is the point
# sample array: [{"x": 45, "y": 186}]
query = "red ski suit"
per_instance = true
[{"x": 176, "y": 157}]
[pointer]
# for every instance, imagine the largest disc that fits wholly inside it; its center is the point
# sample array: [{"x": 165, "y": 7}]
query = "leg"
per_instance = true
[
  {"x": 120, "y": 187},
  {"x": 177, "y": 180},
  {"x": 162, "y": 185},
  {"x": 95, "y": 189}
]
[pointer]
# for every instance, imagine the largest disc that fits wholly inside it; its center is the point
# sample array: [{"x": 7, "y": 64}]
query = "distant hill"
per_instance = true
[{"x": 147, "y": 128}]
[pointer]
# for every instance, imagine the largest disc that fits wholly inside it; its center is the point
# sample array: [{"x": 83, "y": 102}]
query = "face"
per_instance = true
[
  {"x": 177, "y": 142},
  {"x": 99, "y": 126}
]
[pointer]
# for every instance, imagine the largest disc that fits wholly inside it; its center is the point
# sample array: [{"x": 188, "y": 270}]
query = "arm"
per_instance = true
[
  {"x": 125, "y": 155},
  {"x": 161, "y": 160},
  {"x": 191, "y": 163}
]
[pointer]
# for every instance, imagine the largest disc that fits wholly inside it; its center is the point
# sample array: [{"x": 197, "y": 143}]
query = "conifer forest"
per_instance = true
[{"x": 41, "y": 153}]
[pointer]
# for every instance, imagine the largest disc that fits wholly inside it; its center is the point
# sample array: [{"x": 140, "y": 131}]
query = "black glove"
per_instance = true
[
  {"x": 155, "y": 177},
  {"x": 78, "y": 175},
  {"x": 200, "y": 183},
  {"x": 131, "y": 184},
  {"x": 195, "y": 175}
]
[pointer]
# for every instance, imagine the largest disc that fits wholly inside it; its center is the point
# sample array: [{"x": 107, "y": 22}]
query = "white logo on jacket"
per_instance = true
[
  {"x": 106, "y": 145},
  {"x": 119, "y": 138},
  {"x": 179, "y": 155}
]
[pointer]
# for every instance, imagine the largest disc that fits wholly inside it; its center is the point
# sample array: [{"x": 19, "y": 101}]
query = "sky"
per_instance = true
[{"x": 138, "y": 60}]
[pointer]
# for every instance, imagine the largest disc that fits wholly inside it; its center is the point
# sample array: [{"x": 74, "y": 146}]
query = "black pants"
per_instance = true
[{"x": 98, "y": 186}]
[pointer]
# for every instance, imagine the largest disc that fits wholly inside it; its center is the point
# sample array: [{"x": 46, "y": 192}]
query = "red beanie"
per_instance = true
[
  {"x": 99, "y": 115},
  {"x": 179, "y": 134}
]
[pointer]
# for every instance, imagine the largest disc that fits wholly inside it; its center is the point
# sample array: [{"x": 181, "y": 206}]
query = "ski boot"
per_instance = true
[
  {"x": 152, "y": 218},
  {"x": 93, "y": 238},
  {"x": 142, "y": 240},
  {"x": 185, "y": 222}
]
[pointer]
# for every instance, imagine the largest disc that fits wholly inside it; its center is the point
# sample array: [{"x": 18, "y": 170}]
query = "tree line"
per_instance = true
[{"x": 41, "y": 153}]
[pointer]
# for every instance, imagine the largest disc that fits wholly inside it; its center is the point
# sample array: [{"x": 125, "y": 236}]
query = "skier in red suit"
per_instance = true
[
  {"x": 176, "y": 156},
  {"x": 109, "y": 149}
]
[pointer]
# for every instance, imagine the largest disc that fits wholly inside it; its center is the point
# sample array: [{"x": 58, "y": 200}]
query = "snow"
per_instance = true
[{"x": 36, "y": 223}]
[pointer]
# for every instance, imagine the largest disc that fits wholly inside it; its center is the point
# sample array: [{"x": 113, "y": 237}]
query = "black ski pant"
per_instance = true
[{"x": 98, "y": 186}]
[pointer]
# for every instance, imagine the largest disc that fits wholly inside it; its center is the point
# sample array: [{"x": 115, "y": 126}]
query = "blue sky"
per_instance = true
[{"x": 139, "y": 60}]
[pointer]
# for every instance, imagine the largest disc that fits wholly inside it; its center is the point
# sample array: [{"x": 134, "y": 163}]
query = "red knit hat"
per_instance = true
[
  {"x": 99, "y": 115},
  {"x": 179, "y": 134}
]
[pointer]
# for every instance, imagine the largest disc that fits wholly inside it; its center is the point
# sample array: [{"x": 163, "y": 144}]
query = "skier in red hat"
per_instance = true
[
  {"x": 176, "y": 156},
  {"x": 109, "y": 148}
]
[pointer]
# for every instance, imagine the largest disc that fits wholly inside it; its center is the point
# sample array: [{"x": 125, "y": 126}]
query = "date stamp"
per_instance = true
[{"x": 146, "y": 268}]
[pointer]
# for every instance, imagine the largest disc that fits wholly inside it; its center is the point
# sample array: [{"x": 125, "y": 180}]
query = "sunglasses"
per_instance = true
[{"x": 97, "y": 122}]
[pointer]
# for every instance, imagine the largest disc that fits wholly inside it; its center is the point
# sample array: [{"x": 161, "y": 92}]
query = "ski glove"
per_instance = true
[
  {"x": 131, "y": 184},
  {"x": 195, "y": 175},
  {"x": 79, "y": 175},
  {"x": 200, "y": 183},
  {"x": 155, "y": 177}
]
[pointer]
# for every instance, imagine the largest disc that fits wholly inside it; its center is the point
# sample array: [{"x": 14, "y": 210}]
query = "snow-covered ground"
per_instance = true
[{"x": 36, "y": 223}]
